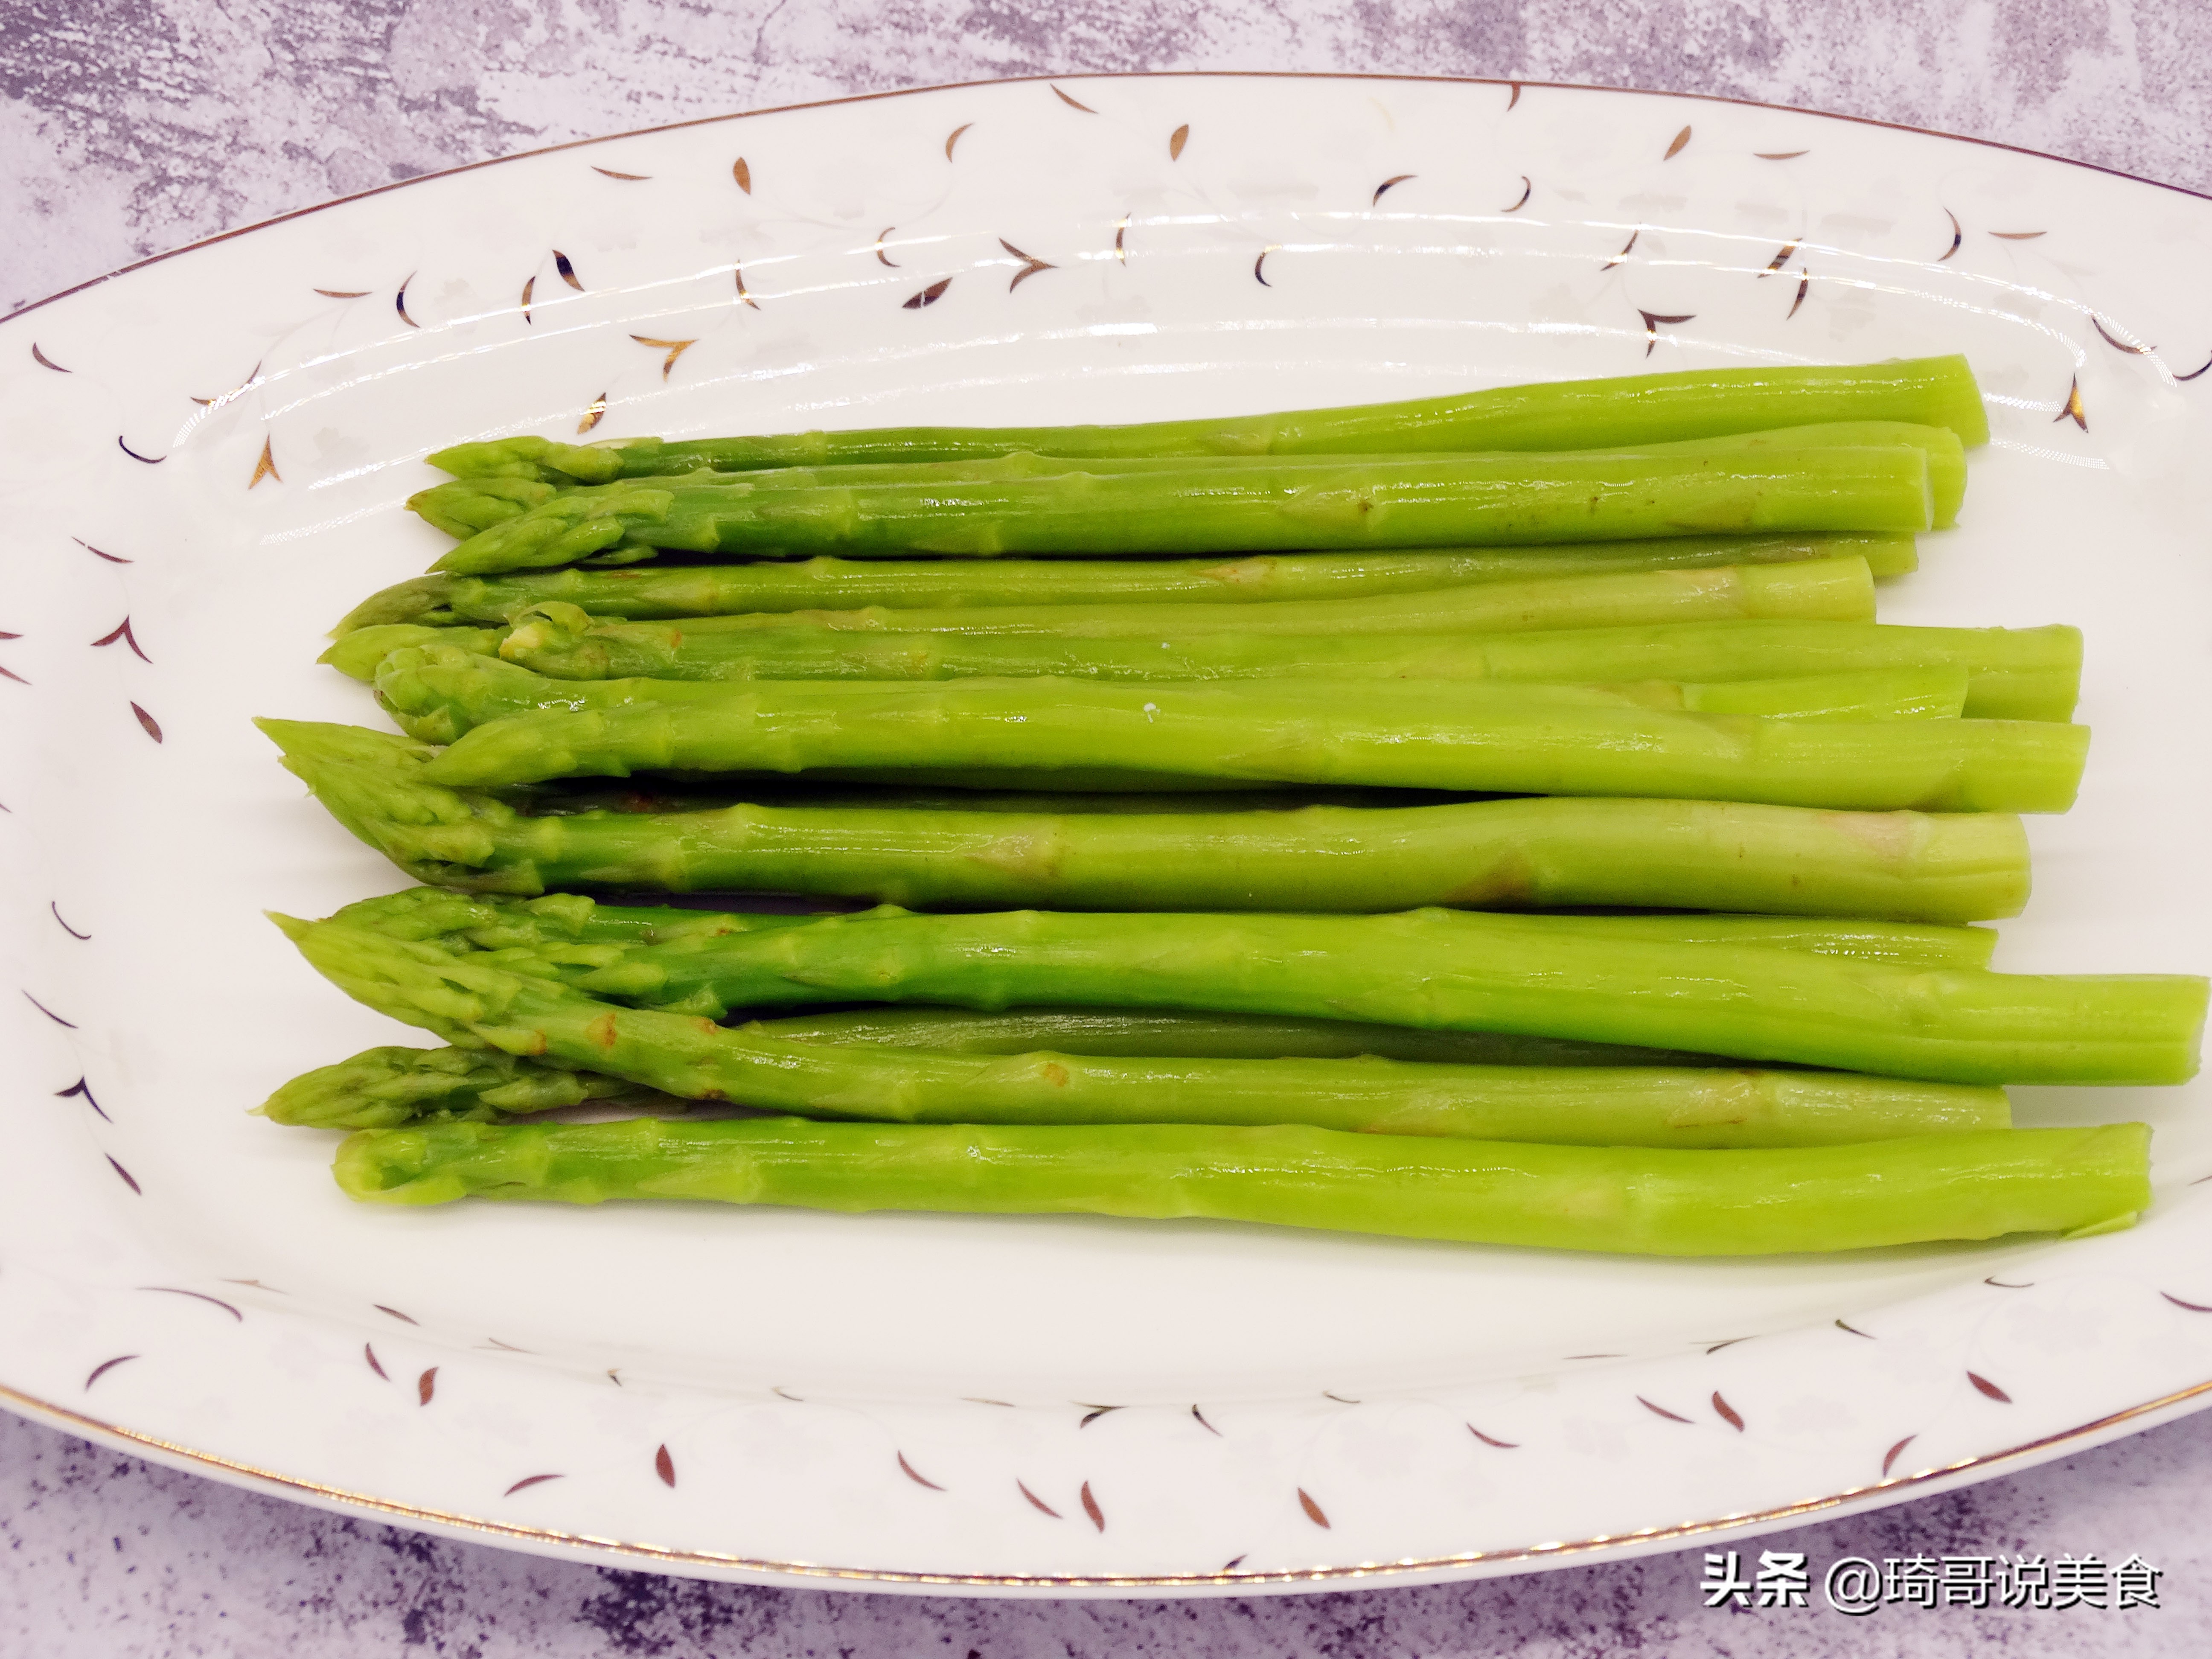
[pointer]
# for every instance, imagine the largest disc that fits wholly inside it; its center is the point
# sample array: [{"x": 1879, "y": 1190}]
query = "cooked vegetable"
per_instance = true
[
  {"x": 666, "y": 591},
  {"x": 437, "y": 693},
  {"x": 1633, "y": 1200},
  {"x": 1464, "y": 735},
  {"x": 1590, "y": 978},
  {"x": 2016, "y": 673},
  {"x": 1550, "y": 850},
  {"x": 1590, "y": 413},
  {"x": 1025, "y": 505}
]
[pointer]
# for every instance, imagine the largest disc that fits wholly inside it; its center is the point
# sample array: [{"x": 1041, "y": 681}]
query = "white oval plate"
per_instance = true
[{"x": 204, "y": 460}]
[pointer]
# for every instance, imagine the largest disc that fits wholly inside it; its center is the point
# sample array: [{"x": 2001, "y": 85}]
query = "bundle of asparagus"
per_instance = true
[{"x": 1633, "y": 667}]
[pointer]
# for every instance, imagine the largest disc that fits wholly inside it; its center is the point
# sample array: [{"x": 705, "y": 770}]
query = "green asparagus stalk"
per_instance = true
[
  {"x": 479, "y": 1002},
  {"x": 381, "y": 1087},
  {"x": 2019, "y": 673},
  {"x": 466, "y": 507},
  {"x": 1171, "y": 1033},
  {"x": 1594, "y": 413},
  {"x": 1566, "y": 1105},
  {"x": 439, "y": 693},
  {"x": 1020, "y": 505},
  {"x": 660, "y": 592},
  {"x": 1826, "y": 590},
  {"x": 1552, "y": 851},
  {"x": 1564, "y": 976},
  {"x": 1632, "y": 1201},
  {"x": 1822, "y": 590},
  {"x": 569, "y": 929},
  {"x": 1468, "y": 735}
]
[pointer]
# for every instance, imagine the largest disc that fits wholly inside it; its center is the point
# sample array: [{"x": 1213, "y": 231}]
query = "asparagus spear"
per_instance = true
[
  {"x": 464, "y": 507},
  {"x": 1469, "y": 735},
  {"x": 1636, "y": 1201},
  {"x": 439, "y": 693},
  {"x": 1616, "y": 413},
  {"x": 1016, "y": 505},
  {"x": 476, "y": 1001},
  {"x": 1823, "y": 590},
  {"x": 1573, "y": 1106},
  {"x": 381, "y": 1087},
  {"x": 1552, "y": 851},
  {"x": 656, "y": 592},
  {"x": 1565, "y": 976},
  {"x": 2019, "y": 673},
  {"x": 568, "y": 932},
  {"x": 1176, "y": 1034},
  {"x": 543, "y": 930}
]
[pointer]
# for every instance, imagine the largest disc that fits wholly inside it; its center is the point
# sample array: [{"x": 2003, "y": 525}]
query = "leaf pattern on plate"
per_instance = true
[
  {"x": 146, "y": 723},
  {"x": 46, "y": 361},
  {"x": 1030, "y": 264},
  {"x": 199, "y": 1296},
  {"x": 1487, "y": 1440},
  {"x": 80, "y": 1089},
  {"x": 675, "y": 348},
  {"x": 1728, "y": 1413},
  {"x": 54, "y": 908},
  {"x": 1660, "y": 1411},
  {"x": 743, "y": 174},
  {"x": 1388, "y": 184},
  {"x": 1036, "y": 1502},
  {"x": 121, "y": 633},
  {"x": 1682, "y": 140},
  {"x": 1098, "y": 1516},
  {"x": 665, "y": 1466},
  {"x": 266, "y": 467},
  {"x": 1653, "y": 321},
  {"x": 2098, "y": 323},
  {"x": 928, "y": 296},
  {"x": 1314, "y": 1512},
  {"x": 105, "y": 1366},
  {"x": 919, "y": 1480},
  {"x": 426, "y": 1387},
  {"x": 1989, "y": 1390},
  {"x": 1176, "y": 140},
  {"x": 2071, "y": 410},
  {"x": 50, "y": 1013}
]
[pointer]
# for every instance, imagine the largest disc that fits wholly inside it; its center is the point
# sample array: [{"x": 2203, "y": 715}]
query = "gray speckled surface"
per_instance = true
[{"x": 129, "y": 126}]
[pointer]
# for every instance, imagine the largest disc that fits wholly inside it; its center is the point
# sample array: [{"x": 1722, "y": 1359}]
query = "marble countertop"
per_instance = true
[{"x": 131, "y": 126}]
